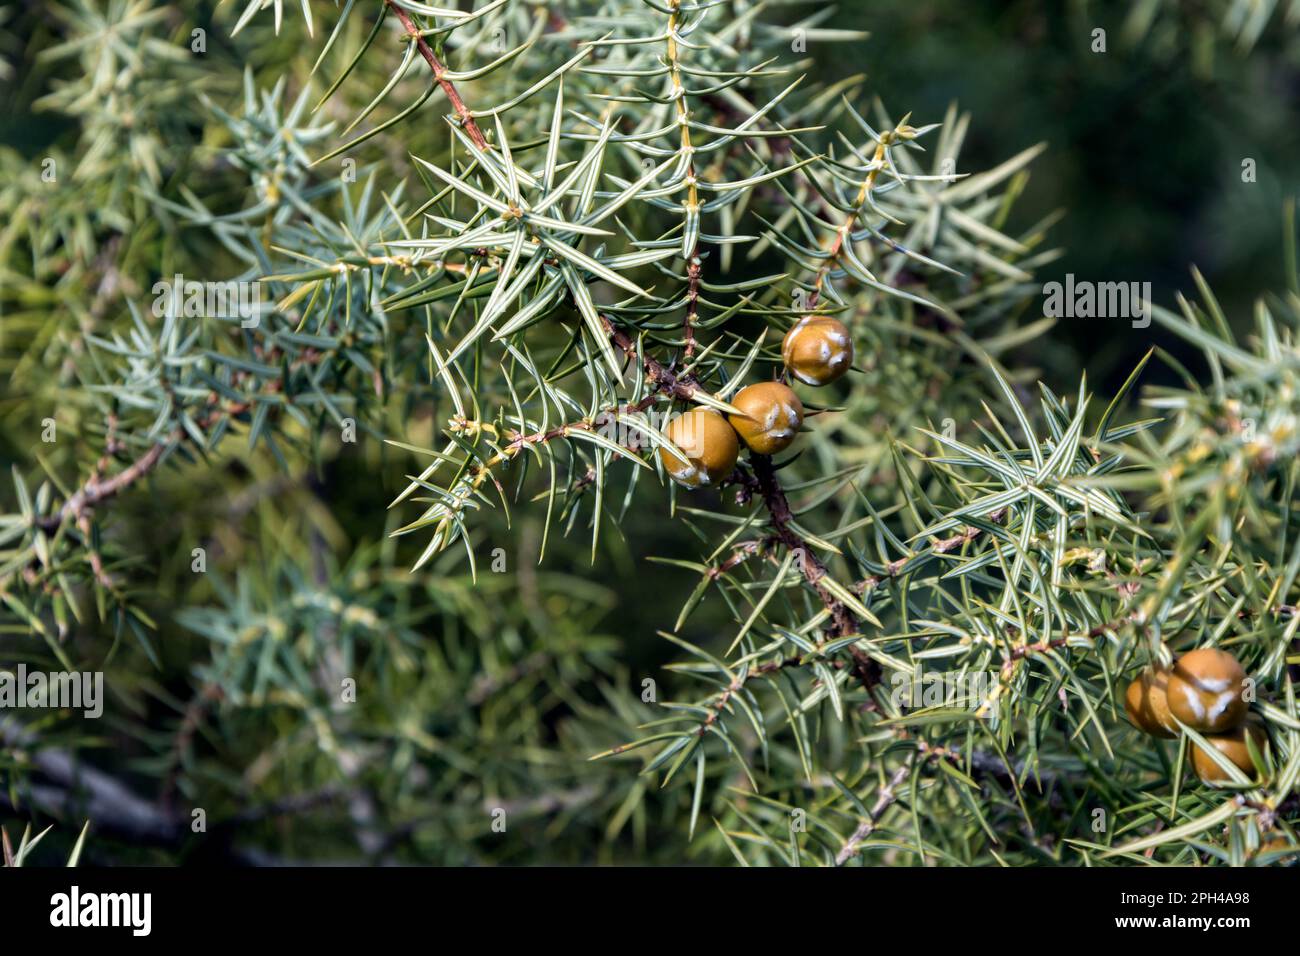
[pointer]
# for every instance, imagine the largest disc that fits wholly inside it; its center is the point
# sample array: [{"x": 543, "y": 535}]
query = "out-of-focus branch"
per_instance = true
[
  {"x": 70, "y": 789},
  {"x": 77, "y": 789}
]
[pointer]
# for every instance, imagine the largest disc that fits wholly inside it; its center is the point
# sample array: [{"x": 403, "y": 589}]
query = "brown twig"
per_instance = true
[
  {"x": 440, "y": 75},
  {"x": 778, "y": 507},
  {"x": 661, "y": 378},
  {"x": 94, "y": 491},
  {"x": 677, "y": 87},
  {"x": 836, "y": 246},
  {"x": 720, "y": 704},
  {"x": 766, "y": 669},
  {"x": 937, "y": 546},
  {"x": 693, "y": 271},
  {"x": 720, "y": 701},
  {"x": 740, "y": 553},
  {"x": 844, "y": 620},
  {"x": 97, "y": 489}
]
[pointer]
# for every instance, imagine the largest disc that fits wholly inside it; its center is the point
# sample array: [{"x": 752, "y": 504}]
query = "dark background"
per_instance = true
[{"x": 1145, "y": 141}]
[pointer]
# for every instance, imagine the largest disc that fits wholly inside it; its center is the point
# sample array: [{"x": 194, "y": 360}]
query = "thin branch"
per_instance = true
[
  {"x": 96, "y": 490},
  {"x": 440, "y": 75},
  {"x": 842, "y": 235},
  {"x": 77, "y": 789},
  {"x": 662, "y": 378},
  {"x": 845, "y": 621},
  {"x": 740, "y": 553},
  {"x": 884, "y": 800},
  {"x": 189, "y": 726},
  {"x": 937, "y": 546},
  {"x": 693, "y": 271},
  {"x": 677, "y": 88}
]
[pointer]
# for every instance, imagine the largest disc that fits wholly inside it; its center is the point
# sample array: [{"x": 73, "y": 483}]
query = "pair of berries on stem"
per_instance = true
[
  {"x": 1206, "y": 691},
  {"x": 816, "y": 351}
]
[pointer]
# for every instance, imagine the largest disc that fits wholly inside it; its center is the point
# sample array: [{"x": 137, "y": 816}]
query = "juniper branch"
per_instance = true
[
  {"x": 844, "y": 621},
  {"x": 440, "y": 76},
  {"x": 884, "y": 799}
]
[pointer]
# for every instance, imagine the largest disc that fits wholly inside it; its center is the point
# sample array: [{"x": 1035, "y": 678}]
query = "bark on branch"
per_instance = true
[
  {"x": 440, "y": 75},
  {"x": 844, "y": 621}
]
